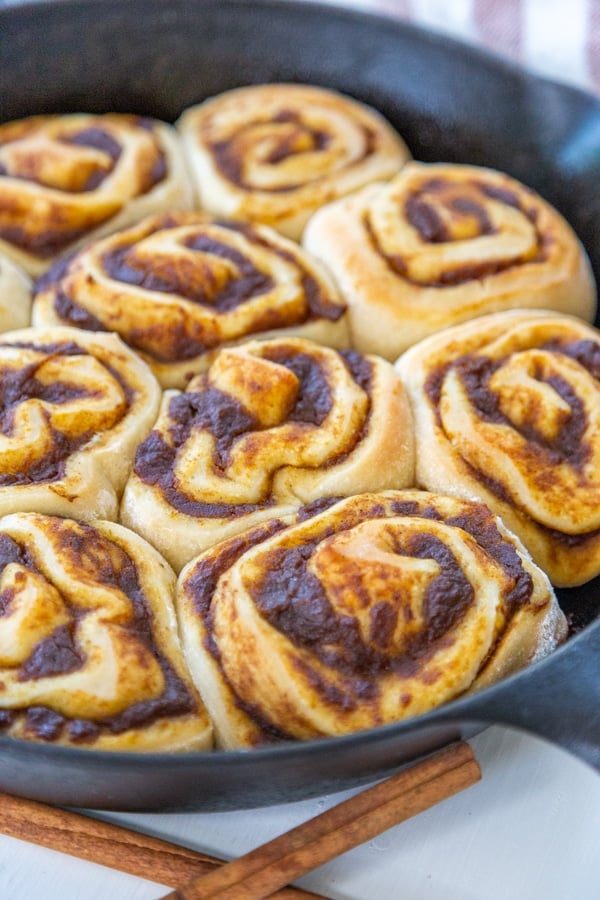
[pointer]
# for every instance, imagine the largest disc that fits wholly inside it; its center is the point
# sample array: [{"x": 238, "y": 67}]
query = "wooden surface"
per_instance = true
[{"x": 528, "y": 831}]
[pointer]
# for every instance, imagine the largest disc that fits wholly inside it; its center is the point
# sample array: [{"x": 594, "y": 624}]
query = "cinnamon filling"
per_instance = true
[
  {"x": 226, "y": 419},
  {"x": 422, "y": 212},
  {"x": 191, "y": 280},
  {"x": 19, "y": 386},
  {"x": 568, "y": 443},
  {"x": 296, "y": 137},
  {"x": 294, "y": 602},
  {"x": 60, "y": 653},
  {"x": 59, "y": 233}
]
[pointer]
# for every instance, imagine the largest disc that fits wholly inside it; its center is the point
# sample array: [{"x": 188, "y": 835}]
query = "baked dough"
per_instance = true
[
  {"x": 15, "y": 296},
  {"x": 272, "y": 425},
  {"x": 377, "y": 609},
  {"x": 67, "y": 179},
  {"x": 177, "y": 286},
  {"x": 73, "y": 408},
  {"x": 507, "y": 409},
  {"x": 274, "y": 153},
  {"x": 441, "y": 244},
  {"x": 89, "y": 653}
]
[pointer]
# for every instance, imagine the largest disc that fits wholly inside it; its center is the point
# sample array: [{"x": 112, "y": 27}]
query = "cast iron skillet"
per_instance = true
[{"x": 450, "y": 103}]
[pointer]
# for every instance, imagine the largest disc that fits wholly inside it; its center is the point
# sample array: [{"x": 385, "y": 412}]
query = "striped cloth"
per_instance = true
[{"x": 559, "y": 39}]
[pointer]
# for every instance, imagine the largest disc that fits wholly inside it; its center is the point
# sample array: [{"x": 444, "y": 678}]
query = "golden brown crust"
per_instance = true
[
  {"x": 15, "y": 296},
  {"x": 270, "y": 426},
  {"x": 179, "y": 285},
  {"x": 73, "y": 408},
  {"x": 275, "y": 153},
  {"x": 377, "y": 609},
  {"x": 507, "y": 409},
  {"x": 442, "y": 244},
  {"x": 67, "y": 179},
  {"x": 89, "y": 654}
]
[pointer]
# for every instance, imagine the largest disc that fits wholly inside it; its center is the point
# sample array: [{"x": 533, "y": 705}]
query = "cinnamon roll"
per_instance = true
[
  {"x": 271, "y": 425},
  {"x": 274, "y": 153},
  {"x": 177, "y": 286},
  {"x": 89, "y": 653},
  {"x": 377, "y": 609},
  {"x": 507, "y": 409},
  {"x": 73, "y": 408},
  {"x": 15, "y": 296},
  {"x": 441, "y": 244},
  {"x": 65, "y": 179}
]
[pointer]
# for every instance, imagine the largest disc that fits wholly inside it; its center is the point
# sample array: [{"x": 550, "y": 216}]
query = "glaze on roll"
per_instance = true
[
  {"x": 507, "y": 409},
  {"x": 379, "y": 608},
  {"x": 66, "y": 179},
  {"x": 271, "y": 425},
  {"x": 177, "y": 286},
  {"x": 73, "y": 408},
  {"x": 275, "y": 153},
  {"x": 442, "y": 244},
  {"x": 89, "y": 653}
]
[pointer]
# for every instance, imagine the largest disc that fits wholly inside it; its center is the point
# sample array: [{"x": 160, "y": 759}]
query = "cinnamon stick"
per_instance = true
[
  {"x": 110, "y": 845},
  {"x": 260, "y": 873}
]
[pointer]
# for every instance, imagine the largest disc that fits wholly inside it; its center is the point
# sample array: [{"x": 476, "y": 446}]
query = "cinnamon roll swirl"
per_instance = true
[
  {"x": 441, "y": 244},
  {"x": 177, "y": 286},
  {"x": 271, "y": 425},
  {"x": 507, "y": 409},
  {"x": 89, "y": 653},
  {"x": 65, "y": 179},
  {"x": 73, "y": 408},
  {"x": 15, "y": 296},
  {"x": 275, "y": 153},
  {"x": 379, "y": 608}
]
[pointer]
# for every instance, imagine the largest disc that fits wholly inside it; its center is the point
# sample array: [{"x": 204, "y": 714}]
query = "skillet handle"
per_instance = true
[{"x": 557, "y": 699}]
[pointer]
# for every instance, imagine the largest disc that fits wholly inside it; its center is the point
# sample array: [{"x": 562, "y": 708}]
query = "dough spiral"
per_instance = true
[
  {"x": 507, "y": 409},
  {"x": 15, "y": 296},
  {"x": 73, "y": 408},
  {"x": 177, "y": 286},
  {"x": 441, "y": 244},
  {"x": 275, "y": 153},
  {"x": 379, "y": 608},
  {"x": 270, "y": 426},
  {"x": 89, "y": 653},
  {"x": 66, "y": 179}
]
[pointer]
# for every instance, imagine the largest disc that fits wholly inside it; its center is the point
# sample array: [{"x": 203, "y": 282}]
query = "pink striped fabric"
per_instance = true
[
  {"x": 498, "y": 25},
  {"x": 558, "y": 39},
  {"x": 593, "y": 44}
]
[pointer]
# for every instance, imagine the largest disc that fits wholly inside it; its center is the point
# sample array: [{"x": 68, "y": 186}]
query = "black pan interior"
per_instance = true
[{"x": 450, "y": 103}]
